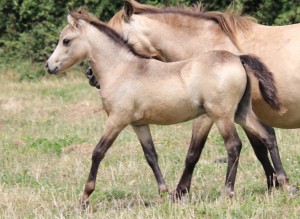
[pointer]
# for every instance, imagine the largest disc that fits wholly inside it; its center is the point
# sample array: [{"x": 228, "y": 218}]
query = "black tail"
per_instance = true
[{"x": 265, "y": 78}]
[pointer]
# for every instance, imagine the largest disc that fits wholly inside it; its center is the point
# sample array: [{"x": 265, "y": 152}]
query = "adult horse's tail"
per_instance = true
[{"x": 265, "y": 79}]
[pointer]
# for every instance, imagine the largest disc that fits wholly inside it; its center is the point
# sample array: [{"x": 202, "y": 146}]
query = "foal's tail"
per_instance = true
[{"x": 265, "y": 78}]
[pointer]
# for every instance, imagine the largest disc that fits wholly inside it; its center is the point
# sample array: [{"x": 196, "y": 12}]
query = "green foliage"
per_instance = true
[
  {"x": 29, "y": 28},
  {"x": 270, "y": 12},
  {"x": 52, "y": 145},
  {"x": 29, "y": 71}
]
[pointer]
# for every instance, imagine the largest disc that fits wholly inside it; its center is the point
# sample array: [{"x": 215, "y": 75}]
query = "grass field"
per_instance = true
[{"x": 49, "y": 128}]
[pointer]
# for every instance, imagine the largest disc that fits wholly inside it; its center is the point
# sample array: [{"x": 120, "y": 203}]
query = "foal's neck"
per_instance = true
[{"x": 106, "y": 55}]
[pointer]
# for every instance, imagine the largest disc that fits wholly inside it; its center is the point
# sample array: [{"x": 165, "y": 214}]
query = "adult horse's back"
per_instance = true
[{"x": 174, "y": 34}]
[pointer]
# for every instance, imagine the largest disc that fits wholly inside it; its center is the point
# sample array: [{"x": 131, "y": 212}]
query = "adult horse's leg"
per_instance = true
[
  {"x": 201, "y": 128},
  {"x": 110, "y": 134},
  {"x": 261, "y": 153},
  {"x": 145, "y": 138},
  {"x": 233, "y": 147},
  {"x": 266, "y": 134}
]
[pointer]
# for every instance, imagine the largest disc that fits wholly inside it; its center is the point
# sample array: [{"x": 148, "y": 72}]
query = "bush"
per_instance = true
[{"x": 29, "y": 28}]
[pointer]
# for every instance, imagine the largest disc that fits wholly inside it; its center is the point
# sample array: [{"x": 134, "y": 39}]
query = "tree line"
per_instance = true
[{"x": 29, "y": 28}]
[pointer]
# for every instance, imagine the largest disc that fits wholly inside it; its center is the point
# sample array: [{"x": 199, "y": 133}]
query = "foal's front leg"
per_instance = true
[
  {"x": 111, "y": 132},
  {"x": 145, "y": 138}
]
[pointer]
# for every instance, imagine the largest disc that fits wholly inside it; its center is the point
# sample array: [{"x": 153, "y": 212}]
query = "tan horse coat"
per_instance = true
[
  {"x": 173, "y": 34},
  {"x": 137, "y": 91}
]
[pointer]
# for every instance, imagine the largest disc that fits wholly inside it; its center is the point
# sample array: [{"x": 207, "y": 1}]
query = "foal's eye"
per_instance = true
[{"x": 66, "y": 42}]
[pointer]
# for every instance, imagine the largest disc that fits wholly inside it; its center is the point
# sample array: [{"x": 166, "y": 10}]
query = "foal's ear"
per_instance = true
[
  {"x": 71, "y": 20},
  {"x": 128, "y": 10}
]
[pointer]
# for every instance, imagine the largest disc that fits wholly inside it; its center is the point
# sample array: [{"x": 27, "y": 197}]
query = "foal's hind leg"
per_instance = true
[
  {"x": 201, "y": 128},
  {"x": 233, "y": 147},
  {"x": 144, "y": 135},
  {"x": 266, "y": 135}
]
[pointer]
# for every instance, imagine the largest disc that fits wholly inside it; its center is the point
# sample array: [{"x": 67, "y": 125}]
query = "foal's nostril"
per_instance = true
[{"x": 47, "y": 66}]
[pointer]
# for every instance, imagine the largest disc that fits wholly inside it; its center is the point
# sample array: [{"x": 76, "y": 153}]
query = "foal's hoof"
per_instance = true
[
  {"x": 229, "y": 192},
  {"x": 178, "y": 195},
  {"x": 293, "y": 190},
  {"x": 84, "y": 204}
]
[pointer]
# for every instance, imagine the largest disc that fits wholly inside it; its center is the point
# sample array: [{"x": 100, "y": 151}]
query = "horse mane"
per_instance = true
[
  {"x": 82, "y": 14},
  {"x": 230, "y": 21}
]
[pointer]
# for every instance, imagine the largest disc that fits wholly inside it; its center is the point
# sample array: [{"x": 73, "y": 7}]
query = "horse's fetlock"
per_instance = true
[
  {"x": 229, "y": 190},
  {"x": 163, "y": 188},
  {"x": 282, "y": 179}
]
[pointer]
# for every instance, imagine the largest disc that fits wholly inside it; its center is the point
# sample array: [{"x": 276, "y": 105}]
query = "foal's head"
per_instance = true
[{"x": 71, "y": 48}]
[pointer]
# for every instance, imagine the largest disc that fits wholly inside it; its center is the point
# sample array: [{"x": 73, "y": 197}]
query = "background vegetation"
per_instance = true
[{"x": 29, "y": 28}]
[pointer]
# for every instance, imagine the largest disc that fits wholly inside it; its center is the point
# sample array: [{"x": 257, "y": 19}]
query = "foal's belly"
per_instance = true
[{"x": 168, "y": 114}]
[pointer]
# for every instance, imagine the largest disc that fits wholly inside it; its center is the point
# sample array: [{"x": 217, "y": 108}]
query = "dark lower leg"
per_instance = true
[
  {"x": 233, "y": 161},
  {"x": 98, "y": 155},
  {"x": 266, "y": 135},
  {"x": 233, "y": 147},
  {"x": 144, "y": 135},
  {"x": 271, "y": 144},
  {"x": 261, "y": 153},
  {"x": 201, "y": 128},
  {"x": 152, "y": 159}
]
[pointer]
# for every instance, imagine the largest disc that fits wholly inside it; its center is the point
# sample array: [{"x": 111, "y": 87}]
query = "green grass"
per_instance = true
[{"x": 49, "y": 127}]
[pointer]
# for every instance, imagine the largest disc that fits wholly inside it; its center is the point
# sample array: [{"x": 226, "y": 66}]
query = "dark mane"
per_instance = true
[
  {"x": 83, "y": 14},
  {"x": 230, "y": 22}
]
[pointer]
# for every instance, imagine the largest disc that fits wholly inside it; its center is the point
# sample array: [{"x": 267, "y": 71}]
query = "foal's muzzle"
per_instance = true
[{"x": 51, "y": 71}]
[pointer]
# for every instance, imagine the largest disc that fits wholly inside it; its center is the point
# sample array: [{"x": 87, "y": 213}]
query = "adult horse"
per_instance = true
[
  {"x": 138, "y": 91},
  {"x": 173, "y": 34}
]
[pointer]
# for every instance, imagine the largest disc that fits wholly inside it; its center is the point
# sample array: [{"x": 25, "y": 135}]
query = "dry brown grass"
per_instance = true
[{"x": 48, "y": 130}]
